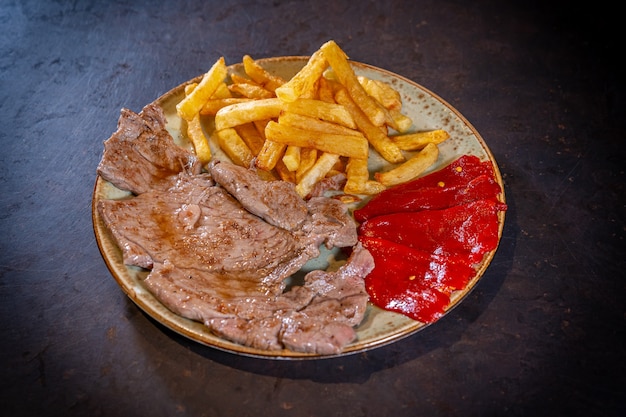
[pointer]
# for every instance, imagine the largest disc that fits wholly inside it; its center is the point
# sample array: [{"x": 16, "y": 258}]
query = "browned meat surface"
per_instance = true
[
  {"x": 141, "y": 155},
  {"x": 219, "y": 245},
  {"x": 199, "y": 226},
  {"x": 335, "y": 303},
  {"x": 329, "y": 219},
  {"x": 215, "y": 262},
  {"x": 274, "y": 201}
]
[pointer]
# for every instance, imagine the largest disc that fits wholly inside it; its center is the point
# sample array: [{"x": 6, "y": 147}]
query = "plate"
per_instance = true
[{"x": 379, "y": 327}]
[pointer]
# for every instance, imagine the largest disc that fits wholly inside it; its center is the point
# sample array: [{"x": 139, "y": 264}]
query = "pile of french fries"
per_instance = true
[{"x": 324, "y": 121}]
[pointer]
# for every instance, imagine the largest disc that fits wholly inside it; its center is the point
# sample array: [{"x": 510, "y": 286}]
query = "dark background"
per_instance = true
[{"x": 541, "y": 335}]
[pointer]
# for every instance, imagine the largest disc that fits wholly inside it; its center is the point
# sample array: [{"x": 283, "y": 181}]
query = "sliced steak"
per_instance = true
[
  {"x": 325, "y": 325},
  {"x": 220, "y": 245},
  {"x": 274, "y": 201},
  {"x": 330, "y": 221},
  {"x": 200, "y": 226},
  {"x": 141, "y": 155}
]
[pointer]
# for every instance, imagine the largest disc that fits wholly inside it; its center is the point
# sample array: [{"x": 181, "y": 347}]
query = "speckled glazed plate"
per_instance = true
[{"x": 379, "y": 327}]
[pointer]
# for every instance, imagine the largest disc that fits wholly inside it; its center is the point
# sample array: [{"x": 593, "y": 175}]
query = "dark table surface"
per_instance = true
[{"x": 543, "y": 332}]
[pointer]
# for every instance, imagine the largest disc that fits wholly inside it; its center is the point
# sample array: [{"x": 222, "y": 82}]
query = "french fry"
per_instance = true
[
  {"x": 311, "y": 123},
  {"x": 291, "y": 158},
  {"x": 212, "y": 106},
  {"x": 318, "y": 171},
  {"x": 331, "y": 112},
  {"x": 248, "y": 111},
  {"x": 358, "y": 181},
  {"x": 271, "y": 153},
  {"x": 411, "y": 169},
  {"x": 293, "y": 129},
  {"x": 357, "y": 175},
  {"x": 382, "y": 92},
  {"x": 191, "y": 104},
  {"x": 418, "y": 140},
  {"x": 189, "y": 88},
  {"x": 401, "y": 122},
  {"x": 260, "y": 75},
  {"x": 240, "y": 79},
  {"x": 372, "y": 187},
  {"x": 221, "y": 92},
  {"x": 305, "y": 80},
  {"x": 325, "y": 90},
  {"x": 338, "y": 60},
  {"x": 390, "y": 99},
  {"x": 234, "y": 147},
  {"x": 251, "y": 137},
  {"x": 375, "y": 136},
  {"x": 283, "y": 173},
  {"x": 308, "y": 156},
  {"x": 198, "y": 139},
  {"x": 251, "y": 90},
  {"x": 345, "y": 145}
]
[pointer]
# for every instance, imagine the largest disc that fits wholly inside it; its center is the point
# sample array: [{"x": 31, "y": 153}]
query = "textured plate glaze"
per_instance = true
[{"x": 379, "y": 327}]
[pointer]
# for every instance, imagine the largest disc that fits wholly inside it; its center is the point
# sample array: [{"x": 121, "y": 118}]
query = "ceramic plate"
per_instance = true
[{"x": 379, "y": 327}]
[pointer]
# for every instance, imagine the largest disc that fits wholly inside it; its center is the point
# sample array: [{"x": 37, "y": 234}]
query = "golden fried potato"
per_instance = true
[
  {"x": 318, "y": 171},
  {"x": 344, "y": 73},
  {"x": 198, "y": 139},
  {"x": 251, "y": 137},
  {"x": 260, "y": 75},
  {"x": 357, "y": 175},
  {"x": 305, "y": 80},
  {"x": 308, "y": 156},
  {"x": 251, "y": 90},
  {"x": 326, "y": 90},
  {"x": 291, "y": 158},
  {"x": 248, "y": 111},
  {"x": 189, "y": 88},
  {"x": 345, "y": 145},
  {"x": 384, "y": 93},
  {"x": 234, "y": 147},
  {"x": 311, "y": 123},
  {"x": 269, "y": 156},
  {"x": 192, "y": 103},
  {"x": 283, "y": 173},
  {"x": 212, "y": 106},
  {"x": 376, "y": 137},
  {"x": 400, "y": 121},
  {"x": 411, "y": 169},
  {"x": 416, "y": 141},
  {"x": 331, "y": 112}
]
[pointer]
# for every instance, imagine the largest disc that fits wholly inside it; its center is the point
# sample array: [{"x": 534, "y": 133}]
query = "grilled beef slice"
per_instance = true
[
  {"x": 274, "y": 201},
  {"x": 219, "y": 245},
  {"x": 141, "y": 155}
]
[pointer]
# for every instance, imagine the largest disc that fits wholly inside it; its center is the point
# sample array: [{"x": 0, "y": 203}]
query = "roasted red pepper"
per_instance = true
[
  {"x": 444, "y": 273},
  {"x": 468, "y": 228},
  {"x": 392, "y": 288},
  {"x": 427, "y": 235},
  {"x": 464, "y": 180}
]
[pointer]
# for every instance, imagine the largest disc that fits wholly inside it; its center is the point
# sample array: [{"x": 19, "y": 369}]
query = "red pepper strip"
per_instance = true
[
  {"x": 453, "y": 177},
  {"x": 443, "y": 273},
  {"x": 457, "y": 172},
  {"x": 393, "y": 290},
  {"x": 470, "y": 228},
  {"x": 431, "y": 198}
]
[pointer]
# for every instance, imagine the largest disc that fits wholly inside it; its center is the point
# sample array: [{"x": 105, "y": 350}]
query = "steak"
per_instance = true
[
  {"x": 141, "y": 155},
  {"x": 274, "y": 201},
  {"x": 201, "y": 226},
  {"x": 219, "y": 245}
]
